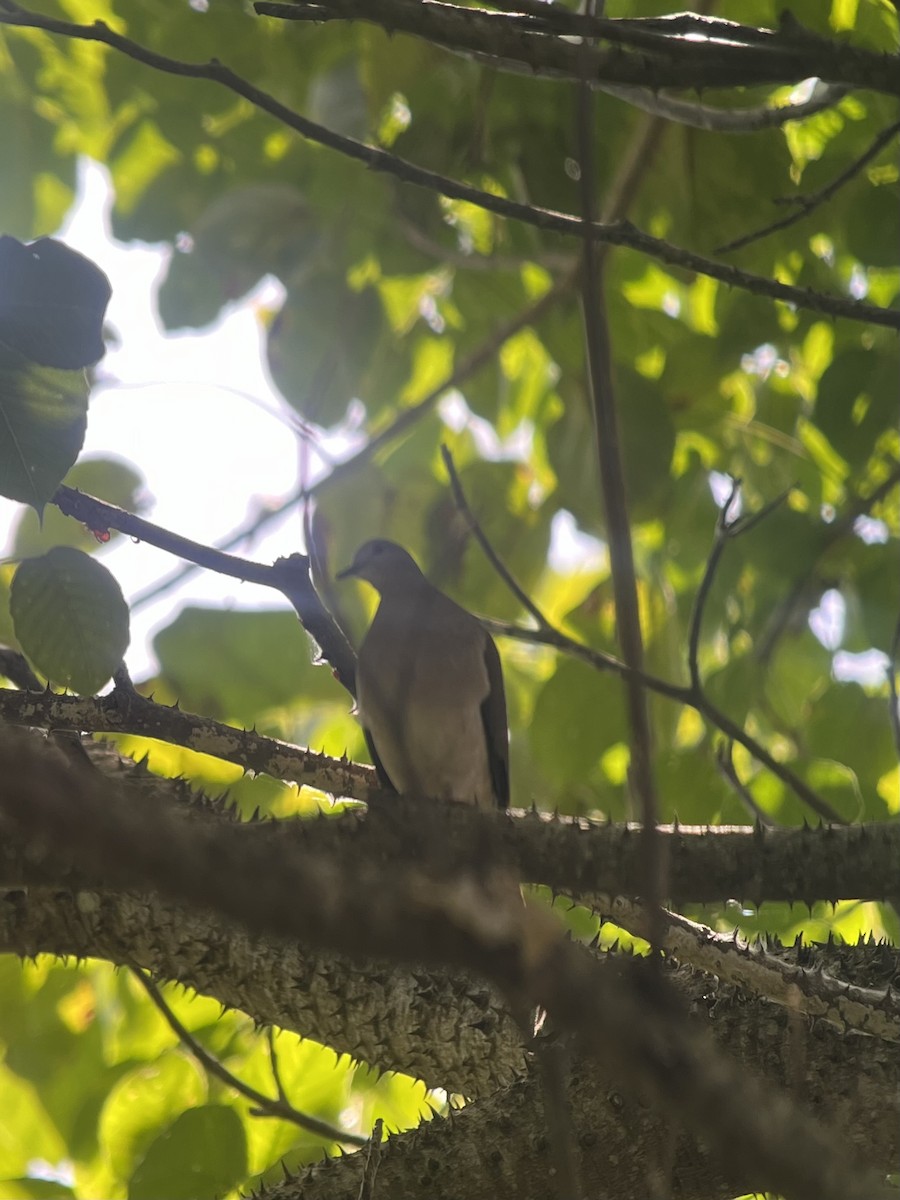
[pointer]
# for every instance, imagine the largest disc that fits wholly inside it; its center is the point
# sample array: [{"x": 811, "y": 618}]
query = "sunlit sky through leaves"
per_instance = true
[{"x": 197, "y": 415}]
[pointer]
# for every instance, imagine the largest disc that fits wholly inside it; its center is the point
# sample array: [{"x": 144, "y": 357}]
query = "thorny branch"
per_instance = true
[
  {"x": 635, "y": 1032},
  {"x": 755, "y": 968},
  {"x": 135, "y": 714},
  {"x": 682, "y": 51},
  {"x": 573, "y": 855}
]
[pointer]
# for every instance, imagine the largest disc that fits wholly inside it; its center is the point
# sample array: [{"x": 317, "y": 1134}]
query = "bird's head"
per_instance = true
[{"x": 384, "y": 564}]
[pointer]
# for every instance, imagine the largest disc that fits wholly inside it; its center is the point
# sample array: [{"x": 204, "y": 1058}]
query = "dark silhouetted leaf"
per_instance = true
[{"x": 52, "y": 303}]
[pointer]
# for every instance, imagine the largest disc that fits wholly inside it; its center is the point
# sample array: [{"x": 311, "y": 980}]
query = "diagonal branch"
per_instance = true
[
  {"x": 135, "y": 714},
  {"x": 290, "y": 575},
  {"x": 481, "y": 537},
  {"x": 267, "y": 1106},
  {"x": 619, "y": 233},
  {"x": 804, "y": 205}
]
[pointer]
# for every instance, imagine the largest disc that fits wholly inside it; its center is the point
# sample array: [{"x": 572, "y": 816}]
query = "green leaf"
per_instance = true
[
  {"x": 578, "y": 715},
  {"x": 29, "y": 1131},
  {"x": 872, "y": 240},
  {"x": 7, "y": 631},
  {"x": 249, "y": 232},
  {"x": 43, "y": 416},
  {"x": 202, "y": 1155},
  {"x": 857, "y": 399},
  {"x": 143, "y": 1104},
  {"x": 321, "y": 344},
  {"x": 853, "y": 729},
  {"x": 647, "y": 442},
  {"x": 33, "y": 1189},
  {"x": 691, "y": 790},
  {"x": 238, "y": 665},
  {"x": 36, "y": 196},
  {"x": 70, "y": 617}
]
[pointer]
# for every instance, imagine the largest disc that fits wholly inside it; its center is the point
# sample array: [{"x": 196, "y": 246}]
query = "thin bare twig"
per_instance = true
[
  {"x": 481, "y": 537},
  {"x": 373, "y": 1160},
  {"x": 726, "y": 530},
  {"x": 267, "y": 1106},
  {"x": 804, "y": 205},
  {"x": 273, "y": 1063},
  {"x": 892, "y": 668},
  {"x": 726, "y": 120},
  {"x": 728, "y": 771},
  {"x": 290, "y": 575},
  {"x": 706, "y": 582},
  {"x": 618, "y": 528}
]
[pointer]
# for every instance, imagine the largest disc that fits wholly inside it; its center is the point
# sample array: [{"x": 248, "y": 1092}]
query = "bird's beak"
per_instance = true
[{"x": 347, "y": 573}]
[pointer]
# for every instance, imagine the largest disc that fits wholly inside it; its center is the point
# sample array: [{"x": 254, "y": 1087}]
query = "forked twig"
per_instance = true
[
  {"x": 267, "y": 1106},
  {"x": 483, "y": 541},
  {"x": 804, "y": 205}
]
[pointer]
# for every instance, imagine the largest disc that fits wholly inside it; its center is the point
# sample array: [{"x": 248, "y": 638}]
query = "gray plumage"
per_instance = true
[{"x": 429, "y": 687}]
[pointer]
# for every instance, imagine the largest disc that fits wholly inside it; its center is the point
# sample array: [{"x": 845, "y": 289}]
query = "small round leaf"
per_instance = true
[{"x": 70, "y": 617}]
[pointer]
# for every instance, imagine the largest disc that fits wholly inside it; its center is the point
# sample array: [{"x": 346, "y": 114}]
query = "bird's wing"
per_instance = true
[{"x": 496, "y": 730}]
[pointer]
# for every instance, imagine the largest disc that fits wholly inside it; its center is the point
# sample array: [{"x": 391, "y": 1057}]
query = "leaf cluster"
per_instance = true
[{"x": 415, "y": 318}]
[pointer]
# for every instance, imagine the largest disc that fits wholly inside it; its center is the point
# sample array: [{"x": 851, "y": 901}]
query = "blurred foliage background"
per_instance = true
[{"x": 387, "y": 290}]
